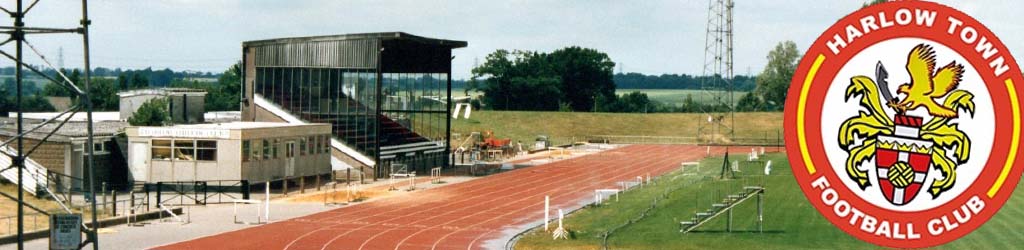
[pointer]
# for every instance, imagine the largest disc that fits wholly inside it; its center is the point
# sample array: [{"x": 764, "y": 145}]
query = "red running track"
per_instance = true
[{"x": 479, "y": 214}]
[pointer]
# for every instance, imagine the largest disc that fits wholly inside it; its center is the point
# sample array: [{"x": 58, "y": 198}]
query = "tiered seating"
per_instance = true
[{"x": 351, "y": 127}]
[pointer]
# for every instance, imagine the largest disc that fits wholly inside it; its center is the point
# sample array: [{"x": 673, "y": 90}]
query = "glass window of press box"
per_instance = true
[{"x": 184, "y": 150}]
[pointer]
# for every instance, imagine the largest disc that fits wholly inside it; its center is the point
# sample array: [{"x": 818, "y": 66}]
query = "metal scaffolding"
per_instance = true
[{"x": 19, "y": 34}]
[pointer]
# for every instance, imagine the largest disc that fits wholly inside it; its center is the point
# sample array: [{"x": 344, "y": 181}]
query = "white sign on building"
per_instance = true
[
  {"x": 184, "y": 133},
  {"x": 65, "y": 231}
]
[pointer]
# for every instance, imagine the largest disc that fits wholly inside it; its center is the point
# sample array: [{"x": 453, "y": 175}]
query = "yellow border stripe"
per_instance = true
[
  {"x": 1014, "y": 140},
  {"x": 801, "y": 108}
]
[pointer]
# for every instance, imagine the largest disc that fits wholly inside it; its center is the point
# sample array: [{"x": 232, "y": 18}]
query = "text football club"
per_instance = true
[{"x": 903, "y": 124}]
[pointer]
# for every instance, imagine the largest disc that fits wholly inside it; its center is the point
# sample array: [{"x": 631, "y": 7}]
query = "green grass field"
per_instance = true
[
  {"x": 564, "y": 126},
  {"x": 790, "y": 221},
  {"x": 675, "y": 97}
]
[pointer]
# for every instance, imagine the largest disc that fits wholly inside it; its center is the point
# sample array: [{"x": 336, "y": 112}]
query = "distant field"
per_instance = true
[
  {"x": 675, "y": 97},
  {"x": 790, "y": 221},
  {"x": 35, "y": 81},
  {"x": 563, "y": 126}
]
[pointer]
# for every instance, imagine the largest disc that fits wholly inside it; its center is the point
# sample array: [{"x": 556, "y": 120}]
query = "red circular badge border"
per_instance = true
[{"x": 815, "y": 99}]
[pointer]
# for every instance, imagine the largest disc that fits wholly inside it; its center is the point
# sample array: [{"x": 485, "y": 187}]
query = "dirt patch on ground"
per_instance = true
[{"x": 380, "y": 189}]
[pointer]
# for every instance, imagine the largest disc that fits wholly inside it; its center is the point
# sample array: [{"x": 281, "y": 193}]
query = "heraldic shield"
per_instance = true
[{"x": 902, "y": 160}]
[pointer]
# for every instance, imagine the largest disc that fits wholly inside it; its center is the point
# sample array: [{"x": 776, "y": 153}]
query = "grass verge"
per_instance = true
[{"x": 564, "y": 126}]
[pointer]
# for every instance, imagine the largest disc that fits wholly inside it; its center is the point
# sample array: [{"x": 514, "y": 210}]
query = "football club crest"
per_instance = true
[{"x": 903, "y": 124}]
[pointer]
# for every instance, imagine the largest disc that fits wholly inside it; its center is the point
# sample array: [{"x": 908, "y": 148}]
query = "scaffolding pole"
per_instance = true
[{"x": 18, "y": 33}]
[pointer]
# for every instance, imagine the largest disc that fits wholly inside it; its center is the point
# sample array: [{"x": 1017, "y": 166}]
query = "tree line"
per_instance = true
[
  {"x": 160, "y": 77},
  {"x": 569, "y": 79},
  {"x": 674, "y": 81},
  {"x": 223, "y": 94},
  {"x": 581, "y": 80}
]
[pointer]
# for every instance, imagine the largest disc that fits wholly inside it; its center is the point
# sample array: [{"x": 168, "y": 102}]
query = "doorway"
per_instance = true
[{"x": 289, "y": 161}]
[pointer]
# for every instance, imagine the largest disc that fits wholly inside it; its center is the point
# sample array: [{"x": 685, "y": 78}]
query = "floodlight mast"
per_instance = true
[{"x": 717, "y": 81}]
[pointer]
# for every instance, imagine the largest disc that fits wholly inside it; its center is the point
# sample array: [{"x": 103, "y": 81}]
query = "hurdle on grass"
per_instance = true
[
  {"x": 598, "y": 194},
  {"x": 626, "y": 185},
  {"x": 682, "y": 167}
]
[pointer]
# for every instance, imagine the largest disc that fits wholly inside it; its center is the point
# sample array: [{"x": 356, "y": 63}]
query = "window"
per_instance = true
[
  {"x": 266, "y": 150},
  {"x": 206, "y": 150},
  {"x": 312, "y": 146},
  {"x": 184, "y": 150},
  {"x": 277, "y": 144},
  {"x": 302, "y": 146},
  {"x": 246, "y": 150},
  {"x": 316, "y": 145},
  {"x": 327, "y": 144},
  {"x": 98, "y": 147},
  {"x": 161, "y": 150},
  {"x": 256, "y": 150}
]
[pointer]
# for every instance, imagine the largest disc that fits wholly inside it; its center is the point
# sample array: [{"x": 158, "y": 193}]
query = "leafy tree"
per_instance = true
[
  {"x": 103, "y": 94},
  {"x": 773, "y": 82},
  {"x": 227, "y": 96},
  {"x": 29, "y": 103},
  {"x": 222, "y": 95},
  {"x": 749, "y": 102},
  {"x": 690, "y": 105},
  {"x": 152, "y": 113},
  {"x": 585, "y": 74},
  {"x": 636, "y": 102},
  {"x": 54, "y": 89},
  {"x": 11, "y": 86},
  {"x": 527, "y": 80},
  {"x": 35, "y": 103},
  {"x": 132, "y": 80},
  {"x": 674, "y": 81},
  {"x": 506, "y": 79}
]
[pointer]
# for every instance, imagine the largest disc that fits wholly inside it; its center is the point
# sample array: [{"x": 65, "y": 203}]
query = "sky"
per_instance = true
[{"x": 648, "y": 36}]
